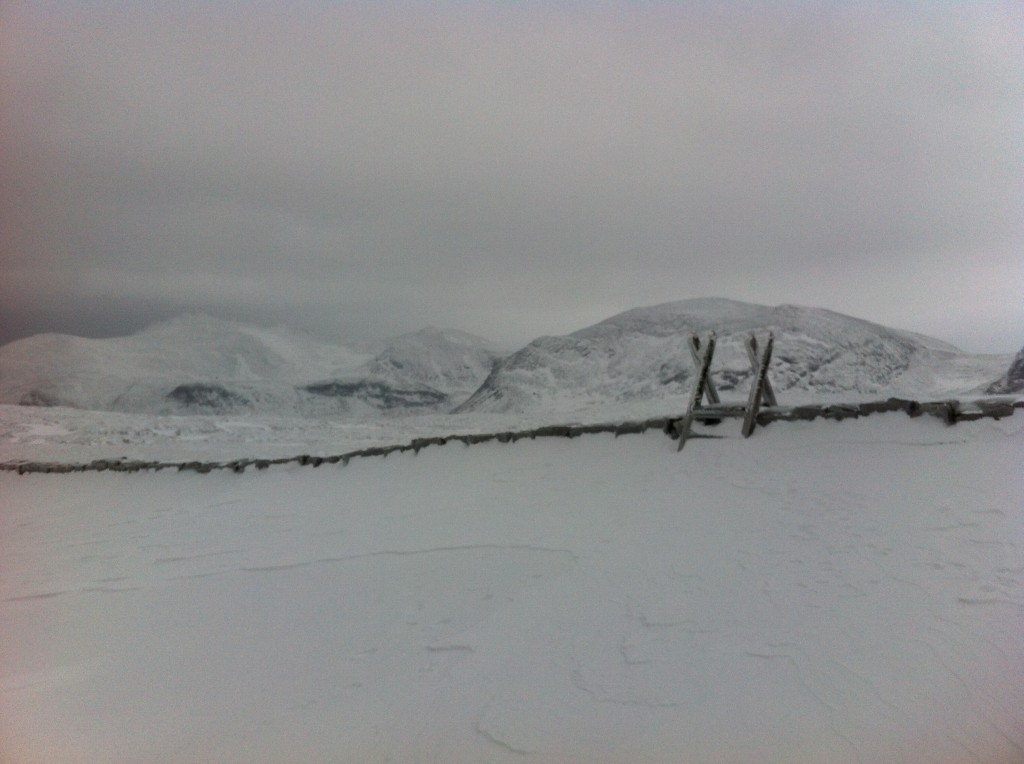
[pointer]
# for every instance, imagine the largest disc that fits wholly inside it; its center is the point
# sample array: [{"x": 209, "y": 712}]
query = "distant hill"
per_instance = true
[
  {"x": 198, "y": 364},
  {"x": 643, "y": 354}
]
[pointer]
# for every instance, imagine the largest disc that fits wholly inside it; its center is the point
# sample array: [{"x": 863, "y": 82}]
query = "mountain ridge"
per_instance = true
[{"x": 196, "y": 364}]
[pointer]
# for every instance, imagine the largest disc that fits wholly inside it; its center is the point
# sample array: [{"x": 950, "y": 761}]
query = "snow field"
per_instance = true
[{"x": 842, "y": 592}]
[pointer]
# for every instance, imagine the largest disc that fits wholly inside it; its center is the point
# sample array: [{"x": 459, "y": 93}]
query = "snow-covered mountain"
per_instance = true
[
  {"x": 199, "y": 364},
  {"x": 1013, "y": 380},
  {"x": 643, "y": 353}
]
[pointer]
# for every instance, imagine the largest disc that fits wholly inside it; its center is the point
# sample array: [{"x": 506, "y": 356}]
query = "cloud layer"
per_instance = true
[{"x": 366, "y": 169}]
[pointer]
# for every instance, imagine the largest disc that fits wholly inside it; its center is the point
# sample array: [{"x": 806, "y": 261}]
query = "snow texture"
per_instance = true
[{"x": 826, "y": 591}]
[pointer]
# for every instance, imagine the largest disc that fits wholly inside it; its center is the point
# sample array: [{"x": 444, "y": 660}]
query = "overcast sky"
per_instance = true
[{"x": 509, "y": 169}]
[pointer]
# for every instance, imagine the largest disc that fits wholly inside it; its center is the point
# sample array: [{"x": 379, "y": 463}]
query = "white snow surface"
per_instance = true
[{"x": 820, "y": 592}]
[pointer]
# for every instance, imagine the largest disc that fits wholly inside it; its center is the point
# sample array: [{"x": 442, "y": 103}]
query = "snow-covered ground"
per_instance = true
[
  {"x": 64, "y": 434},
  {"x": 840, "y": 592}
]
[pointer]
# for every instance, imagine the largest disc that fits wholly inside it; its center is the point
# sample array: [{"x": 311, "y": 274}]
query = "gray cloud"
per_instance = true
[{"x": 366, "y": 169}]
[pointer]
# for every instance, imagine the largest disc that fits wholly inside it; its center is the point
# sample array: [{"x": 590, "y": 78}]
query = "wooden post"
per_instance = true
[
  {"x": 769, "y": 391},
  {"x": 700, "y": 383},
  {"x": 757, "y": 388},
  {"x": 695, "y": 355}
]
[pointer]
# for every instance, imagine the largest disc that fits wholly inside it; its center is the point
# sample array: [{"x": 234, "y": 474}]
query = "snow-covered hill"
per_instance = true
[
  {"x": 198, "y": 364},
  {"x": 643, "y": 354}
]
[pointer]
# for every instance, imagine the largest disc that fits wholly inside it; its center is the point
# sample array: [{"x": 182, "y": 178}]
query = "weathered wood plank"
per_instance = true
[
  {"x": 695, "y": 355},
  {"x": 720, "y": 411},
  {"x": 700, "y": 383},
  {"x": 769, "y": 391},
  {"x": 757, "y": 387}
]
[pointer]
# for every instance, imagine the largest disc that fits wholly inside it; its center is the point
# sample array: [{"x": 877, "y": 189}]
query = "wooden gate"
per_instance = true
[{"x": 761, "y": 391}]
